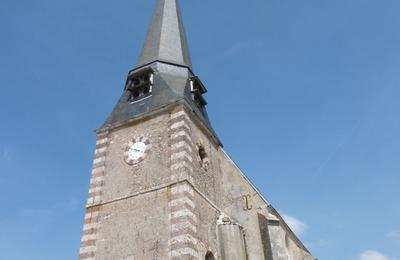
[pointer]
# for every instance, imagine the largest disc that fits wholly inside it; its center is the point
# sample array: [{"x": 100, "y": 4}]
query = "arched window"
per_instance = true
[
  {"x": 203, "y": 156},
  {"x": 202, "y": 153},
  {"x": 209, "y": 256}
]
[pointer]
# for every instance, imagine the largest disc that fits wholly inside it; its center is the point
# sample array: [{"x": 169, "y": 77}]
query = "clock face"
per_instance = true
[{"x": 136, "y": 151}]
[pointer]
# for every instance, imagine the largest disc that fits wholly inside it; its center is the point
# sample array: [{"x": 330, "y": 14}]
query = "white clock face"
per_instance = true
[{"x": 136, "y": 151}]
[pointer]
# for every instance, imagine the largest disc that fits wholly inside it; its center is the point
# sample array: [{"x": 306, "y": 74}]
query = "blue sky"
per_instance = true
[{"x": 304, "y": 95}]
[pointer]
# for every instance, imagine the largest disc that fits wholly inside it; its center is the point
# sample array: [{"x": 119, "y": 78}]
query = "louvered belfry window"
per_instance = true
[
  {"x": 140, "y": 85},
  {"x": 197, "y": 90}
]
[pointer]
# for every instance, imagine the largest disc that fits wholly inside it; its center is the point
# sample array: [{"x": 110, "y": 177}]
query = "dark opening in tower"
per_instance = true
[
  {"x": 140, "y": 85},
  {"x": 198, "y": 89},
  {"x": 209, "y": 256}
]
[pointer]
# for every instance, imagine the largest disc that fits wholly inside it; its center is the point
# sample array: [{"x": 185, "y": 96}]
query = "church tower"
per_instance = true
[{"x": 162, "y": 186}]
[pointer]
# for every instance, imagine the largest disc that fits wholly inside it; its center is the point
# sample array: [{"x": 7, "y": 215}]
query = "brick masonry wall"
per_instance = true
[
  {"x": 92, "y": 217},
  {"x": 183, "y": 240}
]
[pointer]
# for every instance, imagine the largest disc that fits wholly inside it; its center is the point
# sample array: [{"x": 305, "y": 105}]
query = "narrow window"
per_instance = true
[
  {"x": 202, "y": 153},
  {"x": 203, "y": 156},
  {"x": 209, "y": 256},
  {"x": 197, "y": 88}
]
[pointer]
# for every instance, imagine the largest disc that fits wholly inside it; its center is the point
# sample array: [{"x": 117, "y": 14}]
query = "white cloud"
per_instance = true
[
  {"x": 372, "y": 255},
  {"x": 298, "y": 227}
]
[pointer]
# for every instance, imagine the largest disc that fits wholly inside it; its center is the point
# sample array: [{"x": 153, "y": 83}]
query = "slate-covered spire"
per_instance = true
[
  {"x": 166, "y": 39},
  {"x": 163, "y": 77}
]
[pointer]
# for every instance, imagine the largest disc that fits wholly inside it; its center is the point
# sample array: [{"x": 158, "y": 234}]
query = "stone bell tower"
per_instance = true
[{"x": 162, "y": 187}]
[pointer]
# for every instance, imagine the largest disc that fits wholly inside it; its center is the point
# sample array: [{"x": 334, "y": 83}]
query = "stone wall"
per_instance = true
[
  {"x": 121, "y": 178},
  {"x": 135, "y": 228},
  {"x": 182, "y": 201}
]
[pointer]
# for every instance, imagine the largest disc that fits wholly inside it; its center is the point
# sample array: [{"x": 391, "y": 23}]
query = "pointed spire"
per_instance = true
[{"x": 166, "y": 39}]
